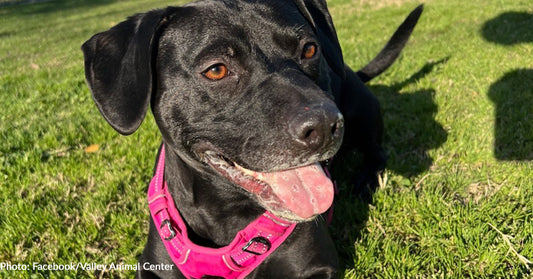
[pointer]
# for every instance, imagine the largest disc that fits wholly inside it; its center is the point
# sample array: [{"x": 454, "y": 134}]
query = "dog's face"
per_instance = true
[
  {"x": 243, "y": 88},
  {"x": 244, "y": 95}
]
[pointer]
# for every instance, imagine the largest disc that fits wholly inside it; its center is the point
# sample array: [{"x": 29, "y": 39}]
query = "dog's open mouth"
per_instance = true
[{"x": 296, "y": 194}]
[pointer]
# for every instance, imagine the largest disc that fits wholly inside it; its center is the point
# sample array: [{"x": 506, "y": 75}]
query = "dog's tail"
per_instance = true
[{"x": 392, "y": 49}]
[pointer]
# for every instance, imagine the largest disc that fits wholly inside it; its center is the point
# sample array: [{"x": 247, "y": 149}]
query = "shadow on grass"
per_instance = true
[
  {"x": 509, "y": 28},
  {"x": 410, "y": 126},
  {"x": 513, "y": 96},
  {"x": 410, "y": 132},
  {"x": 513, "y": 93}
]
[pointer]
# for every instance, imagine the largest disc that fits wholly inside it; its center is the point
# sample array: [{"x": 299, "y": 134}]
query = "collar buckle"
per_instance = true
[
  {"x": 166, "y": 224},
  {"x": 260, "y": 246}
]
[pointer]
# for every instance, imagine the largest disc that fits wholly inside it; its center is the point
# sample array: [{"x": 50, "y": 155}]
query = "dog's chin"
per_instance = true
[{"x": 296, "y": 194}]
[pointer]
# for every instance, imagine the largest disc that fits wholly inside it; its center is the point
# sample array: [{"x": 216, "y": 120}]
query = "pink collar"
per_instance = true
[{"x": 251, "y": 246}]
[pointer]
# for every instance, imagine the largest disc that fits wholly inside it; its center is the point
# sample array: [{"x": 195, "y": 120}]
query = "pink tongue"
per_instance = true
[{"x": 306, "y": 191}]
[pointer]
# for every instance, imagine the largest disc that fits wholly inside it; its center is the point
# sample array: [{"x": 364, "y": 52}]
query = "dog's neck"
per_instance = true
[{"x": 199, "y": 196}]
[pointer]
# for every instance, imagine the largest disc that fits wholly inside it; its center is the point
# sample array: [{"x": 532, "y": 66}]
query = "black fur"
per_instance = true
[{"x": 275, "y": 110}]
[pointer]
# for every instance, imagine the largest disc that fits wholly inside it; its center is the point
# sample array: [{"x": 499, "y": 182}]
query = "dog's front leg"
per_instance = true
[{"x": 364, "y": 129}]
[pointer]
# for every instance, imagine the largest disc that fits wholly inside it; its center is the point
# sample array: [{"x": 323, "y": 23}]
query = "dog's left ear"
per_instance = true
[
  {"x": 118, "y": 68},
  {"x": 317, "y": 14}
]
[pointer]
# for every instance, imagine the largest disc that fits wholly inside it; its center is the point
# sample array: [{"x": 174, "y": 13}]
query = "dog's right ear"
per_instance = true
[
  {"x": 119, "y": 65},
  {"x": 317, "y": 14}
]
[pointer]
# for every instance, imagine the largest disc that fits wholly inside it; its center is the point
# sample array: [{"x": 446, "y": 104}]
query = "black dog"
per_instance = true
[{"x": 239, "y": 89}]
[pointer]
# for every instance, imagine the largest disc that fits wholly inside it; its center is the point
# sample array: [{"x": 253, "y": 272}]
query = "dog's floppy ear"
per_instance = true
[
  {"x": 118, "y": 68},
  {"x": 317, "y": 14}
]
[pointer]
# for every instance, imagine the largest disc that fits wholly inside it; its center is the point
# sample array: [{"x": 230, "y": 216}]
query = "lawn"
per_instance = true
[{"x": 456, "y": 200}]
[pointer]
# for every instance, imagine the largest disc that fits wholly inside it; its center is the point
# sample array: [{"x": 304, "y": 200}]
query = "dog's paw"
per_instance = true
[{"x": 365, "y": 183}]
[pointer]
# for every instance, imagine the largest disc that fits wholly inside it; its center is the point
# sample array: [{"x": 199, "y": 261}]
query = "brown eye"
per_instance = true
[
  {"x": 309, "y": 50},
  {"x": 216, "y": 72}
]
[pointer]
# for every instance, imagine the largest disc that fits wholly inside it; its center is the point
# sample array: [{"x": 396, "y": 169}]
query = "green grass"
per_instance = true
[{"x": 458, "y": 108}]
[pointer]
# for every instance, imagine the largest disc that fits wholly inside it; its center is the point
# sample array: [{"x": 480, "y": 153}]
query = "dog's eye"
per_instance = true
[
  {"x": 309, "y": 51},
  {"x": 216, "y": 72}
]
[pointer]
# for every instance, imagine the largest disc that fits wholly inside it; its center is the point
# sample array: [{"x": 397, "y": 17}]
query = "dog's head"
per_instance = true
[{"x": 238, "y": 88}]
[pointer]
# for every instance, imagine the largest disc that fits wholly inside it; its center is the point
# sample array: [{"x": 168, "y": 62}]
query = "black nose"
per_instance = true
[{"x": 317, "y": 127}]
